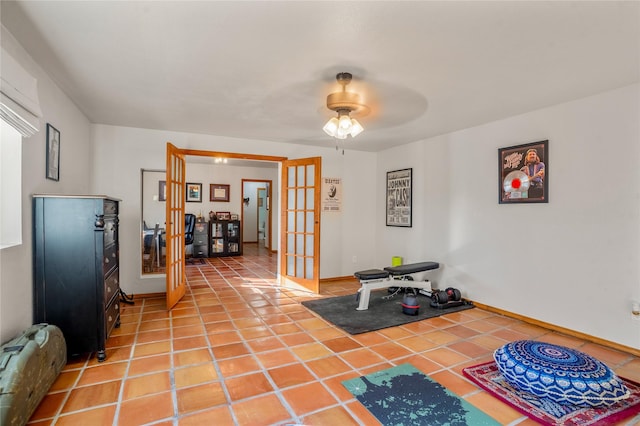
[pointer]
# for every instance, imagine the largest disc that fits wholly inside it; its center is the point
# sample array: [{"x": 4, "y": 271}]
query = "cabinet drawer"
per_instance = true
[
  {"x": 111, "y": 285},
  {"x": 110, "y": 231},
  {"x": 110, "y": 259},
  {"x": 112, "y": 316},
  {"x": 200, "y": 240},
  {"x": 200, "y": 250},
  {"x": 110, "y": 207}
]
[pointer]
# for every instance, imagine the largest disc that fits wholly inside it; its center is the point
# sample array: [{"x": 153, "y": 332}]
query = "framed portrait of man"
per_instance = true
[{"x": 523, "y": 172}]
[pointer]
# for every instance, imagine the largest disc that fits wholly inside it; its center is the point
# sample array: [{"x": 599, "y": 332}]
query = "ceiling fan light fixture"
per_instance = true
[
  {"x": 356, "y": 128},
  {"x": 331, "y": 127}
]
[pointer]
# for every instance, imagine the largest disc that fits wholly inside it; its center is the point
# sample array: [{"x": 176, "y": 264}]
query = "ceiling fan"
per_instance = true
[{"x": 344, "y": 103}]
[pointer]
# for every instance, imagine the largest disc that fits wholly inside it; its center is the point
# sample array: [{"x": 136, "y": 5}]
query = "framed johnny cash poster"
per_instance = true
[
  {"x": 523, "y": 173},
  {"x": 399, "y": 198}
]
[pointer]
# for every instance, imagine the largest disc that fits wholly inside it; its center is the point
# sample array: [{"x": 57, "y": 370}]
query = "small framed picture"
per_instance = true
[
  {"x": 523, "y": 173},
  {"x": 194, "y": 192},
  {"x": 53, "y": 153},
  {"x": 162, "y": 190},
  {"x": 223, "y": 215},
  {"x": 219, "y": 192}
]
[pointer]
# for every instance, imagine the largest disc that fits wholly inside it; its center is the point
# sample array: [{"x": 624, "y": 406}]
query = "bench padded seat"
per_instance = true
[
  {"x": 371, "y": 274},
  {"x": 411, "y": 268},
  {"x": 560, "y": 374}
]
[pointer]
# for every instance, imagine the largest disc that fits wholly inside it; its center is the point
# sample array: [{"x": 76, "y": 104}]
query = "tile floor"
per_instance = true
[{"x": 240, "y": 350}]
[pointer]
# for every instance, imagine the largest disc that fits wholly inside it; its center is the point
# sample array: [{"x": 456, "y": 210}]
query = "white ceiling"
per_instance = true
[{"x": 262, "y": 69}]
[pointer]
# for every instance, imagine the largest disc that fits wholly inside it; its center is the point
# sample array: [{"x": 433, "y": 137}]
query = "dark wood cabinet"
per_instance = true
[
  {"x": 76, "y": 268},
  {"x": 226, "y": 238}
]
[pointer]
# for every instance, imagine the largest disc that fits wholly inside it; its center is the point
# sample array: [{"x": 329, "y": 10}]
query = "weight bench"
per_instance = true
[{"x": 373, "y": 279}]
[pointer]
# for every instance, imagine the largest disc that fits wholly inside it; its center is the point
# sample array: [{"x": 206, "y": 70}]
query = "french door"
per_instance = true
[
  {"x": 176, "y": 274},
  {"x": 300, "y": 221}
]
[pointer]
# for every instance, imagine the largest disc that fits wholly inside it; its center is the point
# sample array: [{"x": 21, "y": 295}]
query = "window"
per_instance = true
[{"x": 10, "y": 186}]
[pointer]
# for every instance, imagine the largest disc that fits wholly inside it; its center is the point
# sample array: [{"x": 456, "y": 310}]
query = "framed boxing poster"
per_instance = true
[
  {"x": 399, "y": 184},
  {"x": 523, "y": 172}
]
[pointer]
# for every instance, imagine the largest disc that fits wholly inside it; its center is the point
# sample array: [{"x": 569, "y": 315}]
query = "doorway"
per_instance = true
[{"x": 256, "y": 213}]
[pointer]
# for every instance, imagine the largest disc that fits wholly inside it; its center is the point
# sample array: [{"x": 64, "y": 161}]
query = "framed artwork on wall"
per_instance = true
[
  {"x": 194, "y": 192},
  {"x": 523, "y": 173},
  {"x": 399, "y": 191},
  {"x": 219, "y": 192},
  {"x": 53, "y": 153},
  {"x": 223, "y": 215},
  {"x": 162, "y": 190}
]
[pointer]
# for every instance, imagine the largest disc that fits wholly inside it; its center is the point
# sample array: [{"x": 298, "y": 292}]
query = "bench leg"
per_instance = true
[{"x": 365, "y": 293}]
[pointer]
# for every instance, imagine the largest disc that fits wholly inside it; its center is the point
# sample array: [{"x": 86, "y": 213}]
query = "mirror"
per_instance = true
[{"x": 153, "y": 218}]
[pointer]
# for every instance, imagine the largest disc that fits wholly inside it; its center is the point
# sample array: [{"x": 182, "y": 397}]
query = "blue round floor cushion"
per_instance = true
[{"x": 560, "y": 374}]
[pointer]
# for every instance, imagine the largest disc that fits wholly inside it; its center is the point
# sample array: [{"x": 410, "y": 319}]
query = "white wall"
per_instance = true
[
  {"x": 120, "y": 153},
  {"x": 16, "y": 277},
  {"x": 573, "y": 262}
]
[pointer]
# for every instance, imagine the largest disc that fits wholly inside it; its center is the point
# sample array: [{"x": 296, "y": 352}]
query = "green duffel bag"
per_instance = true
[{"x": 29, "y": 364}]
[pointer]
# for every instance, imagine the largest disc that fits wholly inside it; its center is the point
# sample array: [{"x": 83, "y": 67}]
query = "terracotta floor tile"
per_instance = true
[
  {"x": 370, "y": 339},
  {"x": 288, "y": 328},
  {"x": 219, "y": 326},
  {"x": 363, "y": 414},
  {"x": 246, "y": 386},
  {"x": 395, "y": 333},
  {"x": 145, "y": 385},
  {"x": 192, "y": 357},
  {"x": 219, "y": 416},
  {"x": 416, "y": 343},
  {"x": 296, "y": 339},
  {"x": 337, "y": 388},
  {"x": 361, "y": 357},
  {"x": 194, "y": 375},
  {"x": 102, "y": 373},
  {"x": 149, "y": 364},
  {"x": 65, "y": 380},
  {"x": 455, "y": 383},
  {"x": 152, "y": 349},
  {"x": 311, "y": 351},
  {"x": 136, "y": 411},
  {"x": 331, "y": 416},
  {"x": 421, "y": 363},
  {"x": 327, "y": 367},
  {"x": 96, "y": 416},
  {"x": 495, "y": 408},
  {"x": 184, "y": 321},
  {"x": 462, "y": 331},
  {"x": 153, "y": 336},
  {"x": 89, "y": 396},
  {"x": 390, "y": 350},
  {"x": 300, "y": 401},
  {"x": 470, "y": 349},
  {"x": 188, "y": 331},
  {"x": 192, "y": 342},
  {"x": 440, "y": 337},
  {"x": 265, "y": 344},
  {"x": 341, "y": 344},
  {"x": 276, "y": 358},
  {"x": 224, "y": 338},
  {"x": 290, "y": 375},
  {"x": 327, "y": 333},
  {"x": 236, "y": 366},
  {"x": 230, "y": 351},
  {"x": 445, "y": 357},
  {"x": 263, "y": 410},
  {"x": 200, "y": 397},
  {"x": 122, "y": 353},
  {"x": 49, "y": 406},
  {"x": 162, "y": 324}
]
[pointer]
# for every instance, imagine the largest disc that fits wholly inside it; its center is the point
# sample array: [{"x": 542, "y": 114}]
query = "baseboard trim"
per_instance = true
[
  {"x": 549, "y": 326},
  {"x": 334, "y": 279}
]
